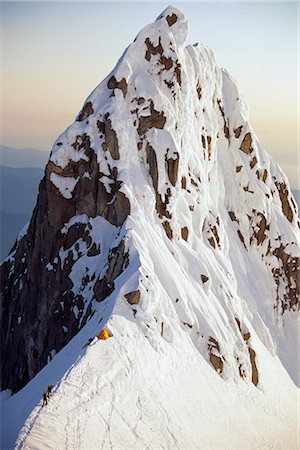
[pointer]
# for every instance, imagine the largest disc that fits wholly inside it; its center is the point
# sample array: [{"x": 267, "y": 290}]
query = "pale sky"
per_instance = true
[{"x": 54, "y": 54}]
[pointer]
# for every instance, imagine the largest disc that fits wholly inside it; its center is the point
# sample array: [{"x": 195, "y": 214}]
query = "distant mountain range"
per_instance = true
[
  {"x": 20, "y": 173},
  {"x": 13, "y": 157},
  {"x": 19, "y": 188}
]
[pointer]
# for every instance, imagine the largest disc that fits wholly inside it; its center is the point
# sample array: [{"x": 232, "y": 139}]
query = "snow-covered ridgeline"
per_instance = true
[{"x": 172, "y": 226}]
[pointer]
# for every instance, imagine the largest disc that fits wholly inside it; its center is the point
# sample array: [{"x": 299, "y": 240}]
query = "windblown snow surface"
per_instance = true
[{"x": 206, "y": 357}]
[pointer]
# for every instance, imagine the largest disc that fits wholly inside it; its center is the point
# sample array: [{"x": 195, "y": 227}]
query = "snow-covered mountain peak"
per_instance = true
[
  {"x": 161, "y": 217},
  {"x": 177, "y": 22}
]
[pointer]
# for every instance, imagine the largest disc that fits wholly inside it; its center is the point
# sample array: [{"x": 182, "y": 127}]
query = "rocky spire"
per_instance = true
[{"x": 162, "y": 149}]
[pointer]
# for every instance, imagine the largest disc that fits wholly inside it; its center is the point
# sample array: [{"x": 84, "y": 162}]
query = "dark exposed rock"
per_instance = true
[
  {"x": 161, "y": 206},
  {"x": 114, "y": 84},
  {"x": 241, "y": 238},
  {"x": 216, "y": 360},
  {"x": 242, "y": 372},
  {"x": 111, "y": 140},
  {"x": 198, "y": 89},
  {"x": 171, "y": 19},
  {"x": 172, "y": 168},
  {"x": 113, "y": 207},
  {"x": 103, "y": 289},
  {"x": 74, "y": 233},
  {"x": 238, "y": 322},
  {"x": 254, "y": 376},
  {"x": 118, "y": 260},
  {"x": 238, "y": 168},
  {"x": 40, "y": 330},
  {"x": 168, "y": 229},
  {"x": 260, "y": 234},
  {"x": 170, "y": 84},
  {"x": 233, "y": 216},
  {"x": 183, "y": 182},
  {"x": 246, "y": 336},
  {"x": 94, "y": 250},
  {"x": 212, "y": 242},
  {"x": 184, "y": 233},
  {"x": 133, "y": 297},
  {"x": 178, "y": 72},
  {"x": 152, "y": 161},
  {"x": 204, "y": 278},
  {"x": 284, "y": 198},
  {"x": 246, "y": 145},
  {"x": 82, "y": 142},
  {"x": 214, "y": 343},
  {"x": 265, "y": 175},
  {"x": 247, "y": 189},
  {"x": 253, "y": 162},
  {"x": 86, "y": 111},
  {"x": 43, "y": 301},
  {"x": 101, "y": 127},
  {"x": 225, "y": 128},
  {"x": 252, "y": 356},
  {"x": 209, "y": 147},
  {"x": 215, "y": 233},
  {"x": 289, "y": 274},
  {"x": 237, "y": 131},
  {"x": 152, "y": 49},
  {"x": 166, "y": 62},
  {"x": 156, "y": 119}
]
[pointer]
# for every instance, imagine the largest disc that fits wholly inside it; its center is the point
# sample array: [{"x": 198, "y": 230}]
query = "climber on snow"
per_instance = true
[
  {"x": 45, "y": 401},
  {"x": 49, "y": 390}
]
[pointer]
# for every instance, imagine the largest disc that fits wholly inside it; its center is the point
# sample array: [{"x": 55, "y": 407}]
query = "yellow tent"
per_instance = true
[{"x": 103, "y": 335}]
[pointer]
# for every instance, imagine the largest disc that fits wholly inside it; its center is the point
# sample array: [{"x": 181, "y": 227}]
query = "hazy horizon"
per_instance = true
[{"x": 55, "y": 54}]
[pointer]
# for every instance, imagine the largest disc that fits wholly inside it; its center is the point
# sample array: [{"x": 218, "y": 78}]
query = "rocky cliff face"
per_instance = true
[{"x": 161, "y": 164}]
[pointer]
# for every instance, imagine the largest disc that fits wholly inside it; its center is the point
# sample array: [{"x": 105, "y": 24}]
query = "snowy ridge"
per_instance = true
[
  {"x": 172, "y": 227},
  {"x": 129, "y": 402}
]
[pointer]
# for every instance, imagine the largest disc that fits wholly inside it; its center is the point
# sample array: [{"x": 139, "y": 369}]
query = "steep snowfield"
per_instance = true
[
  {"x": 193, "y": 269},
  {"x": 125, "y": 393}
]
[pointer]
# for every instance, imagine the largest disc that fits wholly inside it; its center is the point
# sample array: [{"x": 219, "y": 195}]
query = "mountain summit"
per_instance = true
[{"x": 161, "y": 217}]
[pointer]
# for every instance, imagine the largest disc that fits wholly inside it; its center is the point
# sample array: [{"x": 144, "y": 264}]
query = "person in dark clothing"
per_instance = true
[
  {"x": 45, "y": 401},
  {"x": 49, "y": 390}
]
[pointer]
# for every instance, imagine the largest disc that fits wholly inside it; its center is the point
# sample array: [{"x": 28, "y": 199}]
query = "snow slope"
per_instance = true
[
  {"x": 202, "y": 297},
  {"x": 124, "y": 393}
]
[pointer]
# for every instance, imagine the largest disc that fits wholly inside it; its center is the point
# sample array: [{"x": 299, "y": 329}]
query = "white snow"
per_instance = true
[
  {"x": 65, "y": 185},
  {"x": 152, "y": 385},
  {"x": 153, "y": 396}
]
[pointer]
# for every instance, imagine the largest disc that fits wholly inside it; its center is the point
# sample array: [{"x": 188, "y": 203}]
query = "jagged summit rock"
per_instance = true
[{"x": 159, "y": 207}]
